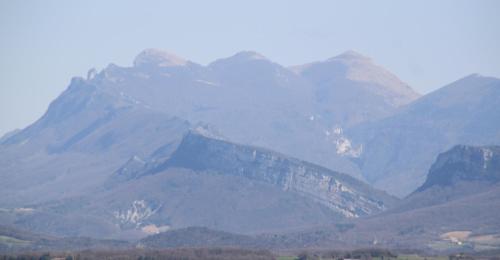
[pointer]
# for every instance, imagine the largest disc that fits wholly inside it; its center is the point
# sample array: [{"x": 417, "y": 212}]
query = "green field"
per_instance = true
[
  {"x": 10, "y": 241},
  {"x": 287, "y": 258},
  {"x": 400, "y": 257}
]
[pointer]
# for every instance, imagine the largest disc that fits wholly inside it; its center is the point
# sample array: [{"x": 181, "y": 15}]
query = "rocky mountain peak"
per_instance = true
[
  {"x": 248, "y": 55},
  {"x": 353, "y": 74},
  {"x": 472, "y": 80},
  {"x": 341, "y": 193},
  {"x": 159, "y": 58},
  {"x": 464, "y": 163},
  {"x": 242, "y": 57},
  {"x": 351, "y": 55}
]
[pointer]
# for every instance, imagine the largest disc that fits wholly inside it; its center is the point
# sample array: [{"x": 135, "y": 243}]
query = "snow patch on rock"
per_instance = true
[
  {"x": 136, "y": 214},
  {"x": 487, "y": 155},
  {"x": 343, "y": 145},
  {"x": 210, "y": 83},
  {"x": 153, "y": 229}
]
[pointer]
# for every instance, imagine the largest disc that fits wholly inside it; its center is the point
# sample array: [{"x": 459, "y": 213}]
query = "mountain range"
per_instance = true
[{"x": 249, "y": 146}]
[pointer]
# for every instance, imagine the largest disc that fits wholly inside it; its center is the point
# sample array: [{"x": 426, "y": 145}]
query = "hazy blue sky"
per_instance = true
[{"x": 426, "y": 43}]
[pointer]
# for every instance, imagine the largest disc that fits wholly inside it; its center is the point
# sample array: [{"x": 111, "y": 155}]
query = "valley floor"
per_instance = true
[{"x": 231, "y": 253}]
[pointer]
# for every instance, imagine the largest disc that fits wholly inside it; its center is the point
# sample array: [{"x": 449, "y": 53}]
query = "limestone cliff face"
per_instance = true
[
  {"x": 339, "y": 192},
  {"x": 464, "y": 163}
]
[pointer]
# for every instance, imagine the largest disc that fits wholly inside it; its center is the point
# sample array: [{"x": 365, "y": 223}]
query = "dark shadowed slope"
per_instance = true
[
  {"x": 459, "y": 172},
  {"x": 464, "y": 164},
  {"x": 84, "y": 136}
]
